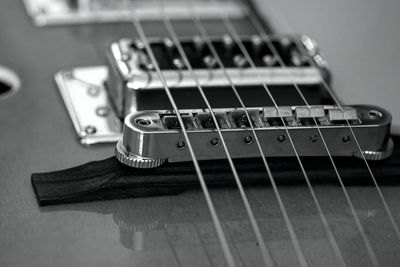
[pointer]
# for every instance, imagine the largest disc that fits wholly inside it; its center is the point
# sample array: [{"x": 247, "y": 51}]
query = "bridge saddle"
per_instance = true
[{"x": 153, "y": 137}]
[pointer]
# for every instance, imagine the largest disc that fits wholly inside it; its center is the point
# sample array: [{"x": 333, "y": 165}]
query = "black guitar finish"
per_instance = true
[{"x": 37, "y": 136}]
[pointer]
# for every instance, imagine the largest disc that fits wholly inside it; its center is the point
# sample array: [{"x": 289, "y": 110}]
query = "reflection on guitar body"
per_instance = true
[{"x": 226, "y": 140}]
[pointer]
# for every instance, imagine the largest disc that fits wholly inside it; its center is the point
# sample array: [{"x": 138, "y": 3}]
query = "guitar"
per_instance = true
[{"x": 233, "y": 148}]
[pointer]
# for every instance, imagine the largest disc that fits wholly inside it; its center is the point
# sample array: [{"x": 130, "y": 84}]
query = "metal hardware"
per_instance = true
[
  {"x": 50, "y": 12},
  {"x": 87, "y": 103},
  {"x": 135, "y": 161},
  {"x": 313, "y": 50},
  {"x": 161, "y": 139},
  {"x": 384, "y": 153},
  {"x": 9, "y": 83},
  {"x": 102, "y": 96},
  {"x": 128, "y": 72},
  {"x": 339, "y": 115}
]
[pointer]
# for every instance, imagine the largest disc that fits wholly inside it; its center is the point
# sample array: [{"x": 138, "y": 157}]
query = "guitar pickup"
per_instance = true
[
  {"x": 134, "y": 84},
  {"x": 155, "y": 137}
]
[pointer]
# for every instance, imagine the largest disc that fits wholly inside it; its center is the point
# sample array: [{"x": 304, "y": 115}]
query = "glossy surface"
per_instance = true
[
  {"x": 360, "y": 39},
  {"x": 37, "y": 135}
]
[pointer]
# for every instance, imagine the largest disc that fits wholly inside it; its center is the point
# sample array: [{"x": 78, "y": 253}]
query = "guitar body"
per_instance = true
[{"x": 37, "y": 136}]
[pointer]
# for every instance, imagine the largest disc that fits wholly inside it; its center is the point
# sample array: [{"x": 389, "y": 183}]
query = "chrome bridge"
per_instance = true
[{"x": 152, "y": 137}]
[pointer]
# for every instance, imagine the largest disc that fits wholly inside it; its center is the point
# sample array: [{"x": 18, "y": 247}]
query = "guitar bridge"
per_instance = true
[{"x": 153, "y": 137}]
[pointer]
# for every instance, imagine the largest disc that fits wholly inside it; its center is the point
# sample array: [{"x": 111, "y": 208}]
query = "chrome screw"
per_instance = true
[
  {"x": 180, "y": 144},
  {"x": 214, "y": 142},
  {"x": 90, "y": 129},
  {"x": 248, "y": 139},
  {"x": 346, "y": 139},
  {"x": 314, "y": 138},
  {"x": 103, "y": 111},
  {"x": 93, "y": 91},
  {"x": 281, "y": 138}
]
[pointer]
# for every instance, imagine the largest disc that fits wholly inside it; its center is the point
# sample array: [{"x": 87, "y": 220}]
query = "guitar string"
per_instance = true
[
  {"x": 388, "y": 211},
  {"x": 244, "y": 51},
  {"x": 395, "y": 226},
  {"x": 331, "y": 237},
  {"x": 257, "y": 25},
  {"x": 182, "y": 122},
  {"x": 220, "y": 233},
  {"x": 288, "y": 223},
  {"x": 267, "y": 258},
  {"x": 216, "y": 221},
  {"x": 353, "y": 211},
  {"x": 323, "y": 218},
  {"x": 370, "y": 251},
  {"x": 327, "y": 229},
  {"x": 352, "y": 208}
]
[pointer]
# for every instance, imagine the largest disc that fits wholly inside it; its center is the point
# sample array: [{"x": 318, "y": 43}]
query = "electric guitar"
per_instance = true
[{"x": 188, "y": 133}]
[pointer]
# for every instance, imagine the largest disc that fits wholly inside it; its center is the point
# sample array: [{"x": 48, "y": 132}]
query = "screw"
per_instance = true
[
  {"x": 90, "y": 129},
  {"x": 269, "y": 60},
  {"x": 93, "y": 91},
  {"x": 209, "y": 61},
  {"x": 168, "y": 43},
  {"x": 179, "y": 64},
  {"x": 297, "y": 60},
  {"x": 198, "y": 42},
  {"x": 240, "y": 61},
  {"x": 243, "y": 121},
  {"x": 346, "y": 139},
  {"x": 281, "y": 138},
  {"x": 286, "y": 42},
  {"x": 143, "y": 121},
  {"x": 248, "y": 139},
  {"x": 180, "y": 144},
  {"x": 256, "y": 40},
  {"x": 214, "y": 142},
  {"x": 227, "y": 40},
  {"x": 125, "y": 57},
  {"x": 150, "y": 66},
  {"x": 373, "y": 114},
  {"x": 139, "y": 44},
  {"x": 103, "y": 111},
  {"x": 314, "y": 138}
]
